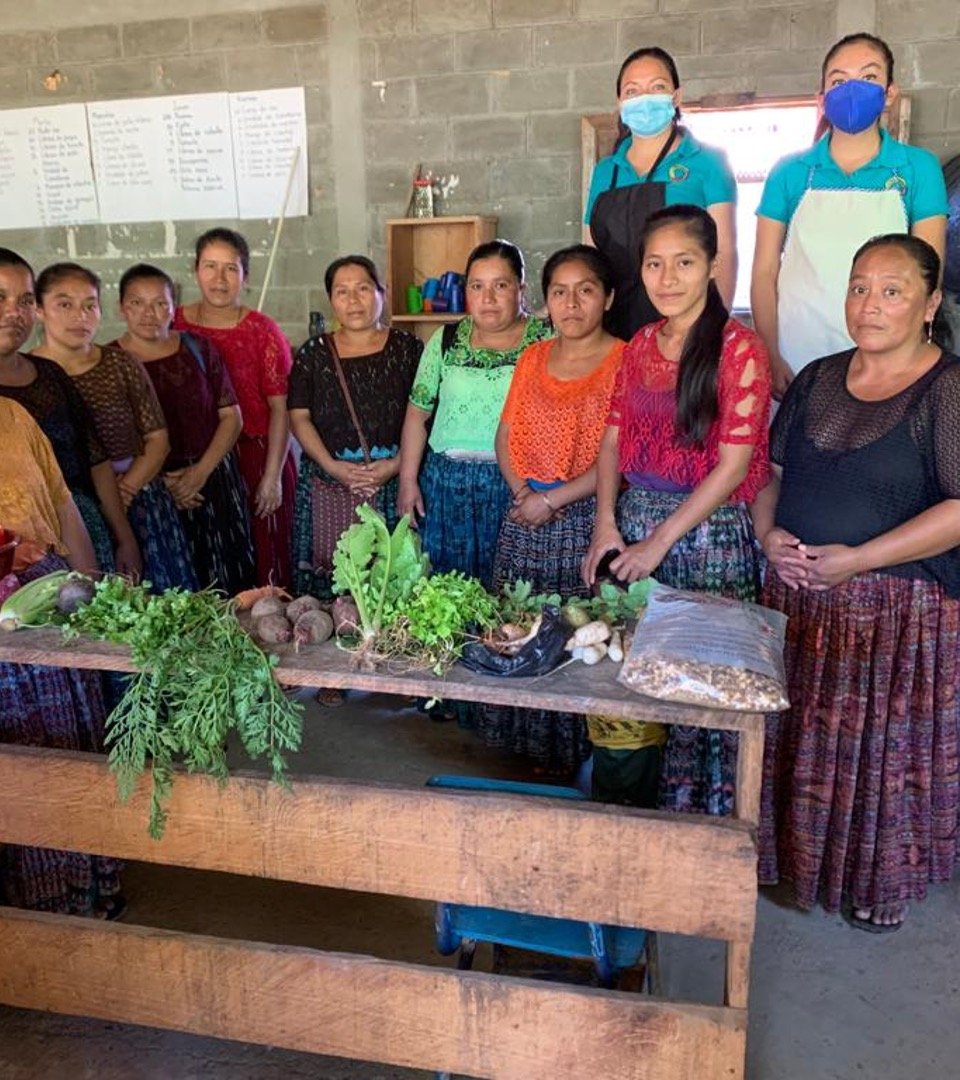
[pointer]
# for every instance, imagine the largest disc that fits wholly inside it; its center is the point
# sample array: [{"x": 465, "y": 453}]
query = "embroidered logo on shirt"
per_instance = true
[
  {"x": 896, "y": 183},
  {"x": 678, "y": 173}
]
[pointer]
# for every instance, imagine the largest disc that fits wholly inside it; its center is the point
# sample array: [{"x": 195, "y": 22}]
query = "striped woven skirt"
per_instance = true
[
  {"x": 861, "y": 795},
  {"x": 549, "y": 558},
  {"x": 61, "y": 709},
  {"x": 308, "y": 581},
  {"x": 100, "y": 535},
  {"x": 218, "y": 531},
  {"x": 164, "y": 550},
  {"x": 465, "y": 502},
  {"x": 271, "y": 534},
  {"x": 720, "y": 556}
]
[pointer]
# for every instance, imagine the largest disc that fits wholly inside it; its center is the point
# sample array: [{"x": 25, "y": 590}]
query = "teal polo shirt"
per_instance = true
[
  {"x": 911, "y": 170},
  {"x": 693, "y": 173}
]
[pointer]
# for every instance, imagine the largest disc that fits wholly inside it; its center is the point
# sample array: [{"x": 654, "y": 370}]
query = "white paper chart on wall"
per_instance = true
[
  {"x": 46, "y": 178},
  {"x": 184, "y": 157}
]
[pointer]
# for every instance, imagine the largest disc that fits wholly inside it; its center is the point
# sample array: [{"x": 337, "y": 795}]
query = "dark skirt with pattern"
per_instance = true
[
  {"x": 861, "y": 794},
  {"x": 60, "y": 709},
  {"x": 720, "y": 556},
  {"x": 465, "y": 502},
  {"x": 218, "y": 531},
  {"x": 164, "y": 550},
  {"x": 308, "y": 581},
  {"x": 96, "y": 525},
  {"x": 550, "y": 559}
]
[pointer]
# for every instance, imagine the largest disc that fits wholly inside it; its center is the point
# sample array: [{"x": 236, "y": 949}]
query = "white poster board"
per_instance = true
[
  {"x": 46, "y": 177},
  {"x": 268, "y": 127},
  {"x": 161, "y": 159}
]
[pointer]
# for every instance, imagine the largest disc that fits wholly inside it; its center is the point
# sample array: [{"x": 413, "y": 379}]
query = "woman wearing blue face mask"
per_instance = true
[
  {"x": 820, "y": 205},
  {"x": 656, "y": 164}
]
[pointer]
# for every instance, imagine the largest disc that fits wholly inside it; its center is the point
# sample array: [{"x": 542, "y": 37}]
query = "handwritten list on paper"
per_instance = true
[
  {"x": 269, "y": 128},
  {"x": 164, "y": 158},
  {"x": 46, "y": 178},
  {"x": 185, "y": 157}
]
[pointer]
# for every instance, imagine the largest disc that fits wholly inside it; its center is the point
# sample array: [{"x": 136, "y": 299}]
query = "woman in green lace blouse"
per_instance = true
[{"x": 462, "y": 381}]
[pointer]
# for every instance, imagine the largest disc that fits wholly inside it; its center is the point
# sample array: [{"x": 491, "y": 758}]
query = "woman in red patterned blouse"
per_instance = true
[
  {"x": 688, "y": 433},
  {"x": 258, "y": 359}
]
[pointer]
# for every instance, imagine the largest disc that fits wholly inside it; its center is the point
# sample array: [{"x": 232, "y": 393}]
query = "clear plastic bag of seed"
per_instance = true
[{"x": 699, "y": 649}]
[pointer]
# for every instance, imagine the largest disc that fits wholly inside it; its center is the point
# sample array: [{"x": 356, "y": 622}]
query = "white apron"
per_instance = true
[{"x": 824, "y": 234}]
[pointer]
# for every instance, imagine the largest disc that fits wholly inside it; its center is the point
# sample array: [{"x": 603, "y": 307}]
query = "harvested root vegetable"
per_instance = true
[
  {"x": 593, "y": 654},
  {"x": 346, "y": 617},
  {"x": 267, "y": 605},
  {"x": 273, "y": 629},
  {"x": 591, "y": 634},
  {"x": 244, "y": 601},
  {"x": 76, "y": 590},
  {"x": 301, "y": 606},
  {"x": 615, "y": 647},
  {"x": 313, "y": 626}
]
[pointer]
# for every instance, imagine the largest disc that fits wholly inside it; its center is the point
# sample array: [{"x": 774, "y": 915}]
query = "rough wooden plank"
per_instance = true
[
  {"x": 575, "y": 688},
  {"x": 690, "y": 875},
  {"x": 749, "y": 775},
  {"x": 351, "y": 1006},
  {"x": 736, "y": 990}
]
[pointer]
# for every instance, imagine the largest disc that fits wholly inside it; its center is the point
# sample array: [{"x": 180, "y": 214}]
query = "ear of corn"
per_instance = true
[{"x": 33, "y": 604}]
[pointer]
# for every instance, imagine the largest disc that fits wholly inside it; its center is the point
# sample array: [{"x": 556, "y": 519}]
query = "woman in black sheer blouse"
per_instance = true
[
  {"x": 378, "y": 365},
  {"x": 861, "y": 525}
]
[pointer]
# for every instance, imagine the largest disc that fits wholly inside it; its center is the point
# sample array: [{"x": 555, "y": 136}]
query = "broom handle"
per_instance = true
[{"x": 279, "y": 229}]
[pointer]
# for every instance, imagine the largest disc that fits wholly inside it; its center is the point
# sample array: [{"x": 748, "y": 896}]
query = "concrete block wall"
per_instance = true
[{"x": 486, "y": 95}]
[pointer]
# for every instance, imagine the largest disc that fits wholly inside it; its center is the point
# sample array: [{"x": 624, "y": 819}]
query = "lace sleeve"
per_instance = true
[
  {"x": 521, "y": 375},
  {"x": 744, "y": 389},
  {"x": 628, "y": 371},
  {"x": 790, "y": 412},
  {"x": 946, "y": 431},
  {"x": 47, "y": 462},
  {"x": 275, "y": 359},
  {"x": 426, "y": 383}
]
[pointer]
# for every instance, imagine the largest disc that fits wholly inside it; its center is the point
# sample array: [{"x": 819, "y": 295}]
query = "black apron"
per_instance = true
[{"x": 616, "y": 221}]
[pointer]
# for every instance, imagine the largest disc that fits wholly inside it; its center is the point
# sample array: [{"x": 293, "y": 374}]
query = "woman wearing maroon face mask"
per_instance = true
[{"x": 820, "y": 205}]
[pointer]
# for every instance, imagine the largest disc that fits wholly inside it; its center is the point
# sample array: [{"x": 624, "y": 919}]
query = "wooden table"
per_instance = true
[{"x": 674, "y": 873}]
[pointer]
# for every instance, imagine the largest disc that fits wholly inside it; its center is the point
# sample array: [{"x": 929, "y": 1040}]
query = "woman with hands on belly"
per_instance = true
[
  {"x": 860, "y": 524},
  {"x": 688, "y": 432},
  {"x": 378, "y": 365}
]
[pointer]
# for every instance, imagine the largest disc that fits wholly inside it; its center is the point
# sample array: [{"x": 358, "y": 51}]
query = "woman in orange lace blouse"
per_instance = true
[
  {"x": 547, "y": 443},
  {"x": 688, "y": 432}
]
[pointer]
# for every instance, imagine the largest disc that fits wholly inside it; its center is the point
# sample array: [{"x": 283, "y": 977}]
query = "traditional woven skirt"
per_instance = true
[
  {"x": 272, "y": 534},
  {"x": 308, "y": 581},
  {"x": 218, "y": 531},
  {"x": 164, "y": 550},
  {"x": 465, "y": 503},
  {"x": 96, "y": 525},
  {"x": 550, "y": 559},
  {"x": 62, "y": 709},
  {"x": 861, "y": 795},
  {"x": 720, "y": 556}
]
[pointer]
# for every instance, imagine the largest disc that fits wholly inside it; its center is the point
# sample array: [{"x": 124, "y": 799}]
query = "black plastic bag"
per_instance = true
[{"x": 540, "y": 655}]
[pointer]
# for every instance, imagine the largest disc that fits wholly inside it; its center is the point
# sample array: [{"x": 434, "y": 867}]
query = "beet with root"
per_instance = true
[
  {"x": 301, "y": 606},
  {"x": 312, "y": 628},
  {"x": 273, "y": 629},
  {"x": 269, "y": 605},
  {"x": 346, "y": 618}
]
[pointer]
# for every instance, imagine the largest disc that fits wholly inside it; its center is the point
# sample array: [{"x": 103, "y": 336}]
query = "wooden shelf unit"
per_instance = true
[{"x": 420, "y": 248}]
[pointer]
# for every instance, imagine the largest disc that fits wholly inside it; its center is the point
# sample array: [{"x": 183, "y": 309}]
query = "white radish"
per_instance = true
[
  {"x": 593, "y": 654},
  {"x": 591, "y": 634},
  {"x": 615, "y": 647}
]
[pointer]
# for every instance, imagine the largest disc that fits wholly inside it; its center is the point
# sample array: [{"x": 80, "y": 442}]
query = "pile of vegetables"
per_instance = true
[
  {"x": 200, "y": 676},
  {"x": 401, "y": 610}
]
